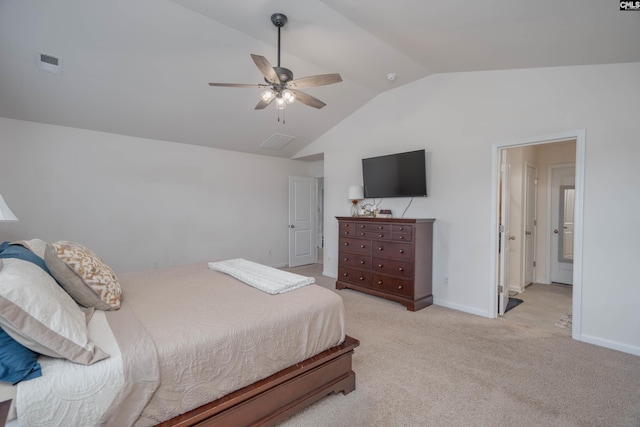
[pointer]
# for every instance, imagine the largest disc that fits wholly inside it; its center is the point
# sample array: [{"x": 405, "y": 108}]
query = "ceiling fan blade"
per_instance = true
[
  {"x": 238, "y": 85},
  {"x": 263, "y": 104},
  {"x": 266, "y": 69},
  {"x": 312, "y": 81},
  {"x": 309, "y": 100}
]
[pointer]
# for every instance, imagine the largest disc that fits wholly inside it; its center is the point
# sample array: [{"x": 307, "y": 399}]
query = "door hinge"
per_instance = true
[
  {"x": 534, "y": 263},
  {"x": 500, "y": 289},
  {"x": 501, "y": 228},
  {"x": 535, "y": 222}
]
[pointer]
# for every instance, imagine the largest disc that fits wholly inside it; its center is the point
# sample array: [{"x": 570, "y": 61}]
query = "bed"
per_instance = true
[{"x": 189, "y": 345}]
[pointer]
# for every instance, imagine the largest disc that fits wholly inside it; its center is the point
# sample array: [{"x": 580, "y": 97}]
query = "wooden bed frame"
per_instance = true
[{"x": 273, "y": 399}]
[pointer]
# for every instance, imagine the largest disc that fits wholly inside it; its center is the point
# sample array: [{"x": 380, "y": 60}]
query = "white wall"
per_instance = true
[
  {"x": 139, "y": 203},
  {"x": 458, "y": 117}
]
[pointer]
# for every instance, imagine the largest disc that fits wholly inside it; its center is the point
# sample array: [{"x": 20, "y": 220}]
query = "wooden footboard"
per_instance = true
[{"x": 275, "y": 398}]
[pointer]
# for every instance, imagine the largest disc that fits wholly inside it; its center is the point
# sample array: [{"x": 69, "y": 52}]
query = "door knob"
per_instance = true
[
  {"x": 512, "y": 237},
  {"x": 556, "y": 231},
  {"x": 528, "y": 233},
  {"x": 292, "y": 226}
]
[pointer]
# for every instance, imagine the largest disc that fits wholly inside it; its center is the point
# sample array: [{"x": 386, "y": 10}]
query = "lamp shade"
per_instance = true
[
  {"x": 5, "y": 212},
  {"x": 356, "y": 192}
]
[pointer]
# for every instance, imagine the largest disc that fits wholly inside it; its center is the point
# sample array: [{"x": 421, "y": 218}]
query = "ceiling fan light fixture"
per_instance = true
[
  {"x": 268, "y": 95},
  {"x": 288, "y": 96},
  {"x": 280, "y": 102}
]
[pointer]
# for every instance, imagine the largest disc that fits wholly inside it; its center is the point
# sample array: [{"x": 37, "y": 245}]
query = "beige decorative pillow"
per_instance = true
[
  {"x": 89, "y": 281},
  {"x": 42, "y": 317}
]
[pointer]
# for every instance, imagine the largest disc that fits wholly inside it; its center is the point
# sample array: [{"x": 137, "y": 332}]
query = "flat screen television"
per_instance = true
[{"x": 395, "y": 175}]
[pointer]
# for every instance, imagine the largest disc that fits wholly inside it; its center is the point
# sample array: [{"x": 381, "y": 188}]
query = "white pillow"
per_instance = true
[{"x": 40, "y": 315}]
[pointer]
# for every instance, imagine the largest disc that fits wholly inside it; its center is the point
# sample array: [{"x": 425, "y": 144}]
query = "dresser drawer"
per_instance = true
[
  {"x": 346, "y": 259},
  {"x": 347, "y": 229},
  {"x": 393, "y": 267},
  {"x": 395, "y": 250},
  {"x": 373, "y": 235},
  {"x": 401, "y": 229},
  {"x": 355, "y": 246},
  {"x": 372, "y": 227},
  {"x": 392, "y": 285},
  {"x": 357, "y": 277},
  {"x": 407, "y": 237}
]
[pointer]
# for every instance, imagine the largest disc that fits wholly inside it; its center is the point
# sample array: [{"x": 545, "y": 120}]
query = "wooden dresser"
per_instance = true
[{"x": 387, "y": 257}]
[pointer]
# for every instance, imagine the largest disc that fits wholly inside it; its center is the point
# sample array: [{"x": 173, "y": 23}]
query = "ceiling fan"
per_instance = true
[{"x": 280, "y": 84}]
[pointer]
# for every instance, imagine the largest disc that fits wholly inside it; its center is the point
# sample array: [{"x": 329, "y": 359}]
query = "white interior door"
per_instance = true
[
  {"x": 303, "y": 202},
  {"x": 505, "y": 236},
  {"x": 562, "y": 223},
  {"x": 530, "y": 224}
]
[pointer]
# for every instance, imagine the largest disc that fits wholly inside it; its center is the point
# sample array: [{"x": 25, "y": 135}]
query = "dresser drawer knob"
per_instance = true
[
  {"x": 400, "y": 269},
  {"x": 401, "y": 228},
  {"x": 346, "y": 232},
  {"x": 361, "y": 226},
  {"x": 379, "y": 282},
  {"x": 346, "y": 259},
  {"x": 362, "y": 246},
  {"x": 399, "y": 286},
  {"x": 380, "y": 227},
  {"x": 380, "y": 248},
  {"x": 345, "y": 274},
  {"x": 401, "y": 237},
  {"x": 379, "y": 265},
  {"x": 361, "y": 262},
  {"x": 380, "y": 235},
  {"x": 361, "y": 278},
  {"x": 401, "y": 251},
  {"x": 362, "y": 234}
]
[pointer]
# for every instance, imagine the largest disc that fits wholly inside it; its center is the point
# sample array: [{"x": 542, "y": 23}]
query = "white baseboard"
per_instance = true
[
  {"x": 463, "y": 308},
  {"x": 614, "y": 345},
  {"x": 329, "y": 274}
]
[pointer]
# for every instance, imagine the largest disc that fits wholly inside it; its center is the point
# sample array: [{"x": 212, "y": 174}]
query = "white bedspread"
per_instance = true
[
  {"x": 267, "y": 279},
  {"x": 71, "y": 394},
  {"x": 111, "y": 392}
]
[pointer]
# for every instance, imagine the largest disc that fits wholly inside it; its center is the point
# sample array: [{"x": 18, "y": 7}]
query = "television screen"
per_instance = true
[{"x": 395, "y": 175}]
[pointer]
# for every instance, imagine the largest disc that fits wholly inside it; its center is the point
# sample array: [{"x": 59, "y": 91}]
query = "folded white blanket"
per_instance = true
[{"x": 267, "y": 279}]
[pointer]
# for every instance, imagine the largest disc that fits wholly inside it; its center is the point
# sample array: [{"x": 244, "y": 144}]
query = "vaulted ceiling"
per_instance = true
[{"x": 142, "y": 67}]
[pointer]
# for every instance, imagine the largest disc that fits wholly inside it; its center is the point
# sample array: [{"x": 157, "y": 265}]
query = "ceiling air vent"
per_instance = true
[
  {"x": 277, "y": 141},
  {"x": 51, "y": 64}
]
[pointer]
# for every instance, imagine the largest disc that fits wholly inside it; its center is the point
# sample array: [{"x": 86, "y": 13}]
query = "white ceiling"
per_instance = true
[{"x": 141, "y": 67}]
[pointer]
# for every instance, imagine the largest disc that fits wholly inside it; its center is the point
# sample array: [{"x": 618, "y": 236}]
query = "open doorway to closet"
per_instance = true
[{"x": 536, "y": 216}]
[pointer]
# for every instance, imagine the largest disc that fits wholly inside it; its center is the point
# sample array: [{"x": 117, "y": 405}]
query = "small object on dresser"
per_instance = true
[{"x": 385, "y": 213}]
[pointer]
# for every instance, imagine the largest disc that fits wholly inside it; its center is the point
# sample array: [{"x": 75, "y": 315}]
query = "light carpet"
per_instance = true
[{"x": 442, "y": 367}]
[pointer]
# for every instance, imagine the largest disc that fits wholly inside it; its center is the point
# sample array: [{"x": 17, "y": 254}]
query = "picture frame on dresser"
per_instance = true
[{"x": 390, "y": 258}]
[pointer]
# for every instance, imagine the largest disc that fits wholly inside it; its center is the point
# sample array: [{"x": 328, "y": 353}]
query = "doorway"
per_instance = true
[{"x": 528, "y": 260}]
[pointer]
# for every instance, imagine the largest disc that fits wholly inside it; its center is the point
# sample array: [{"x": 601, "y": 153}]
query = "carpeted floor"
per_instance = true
[{"x": 442, "y": 367}]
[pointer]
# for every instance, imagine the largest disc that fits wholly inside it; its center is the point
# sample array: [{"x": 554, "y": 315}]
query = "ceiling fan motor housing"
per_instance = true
[{"x": 279, "y": 19}]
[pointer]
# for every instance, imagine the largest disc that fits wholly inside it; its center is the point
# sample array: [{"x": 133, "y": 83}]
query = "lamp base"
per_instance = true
[{"x": 354, "y": 208}]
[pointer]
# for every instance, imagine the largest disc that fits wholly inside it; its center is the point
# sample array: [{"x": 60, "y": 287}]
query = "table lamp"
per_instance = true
[
  {"x": 355, "y": 194},
  {"x": 5, "y": 212}
]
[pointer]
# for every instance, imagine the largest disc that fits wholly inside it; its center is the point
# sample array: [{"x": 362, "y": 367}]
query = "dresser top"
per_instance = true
[{"x": 376, "y": 219}]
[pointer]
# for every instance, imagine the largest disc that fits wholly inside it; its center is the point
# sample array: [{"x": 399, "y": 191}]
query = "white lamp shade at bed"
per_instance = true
[{"x": 5, "y": 212}]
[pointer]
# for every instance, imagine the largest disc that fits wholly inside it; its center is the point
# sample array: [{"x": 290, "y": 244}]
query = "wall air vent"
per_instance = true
[
  {"x": 277, "y": 141},
  {"x": 50, "y": 63}
]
